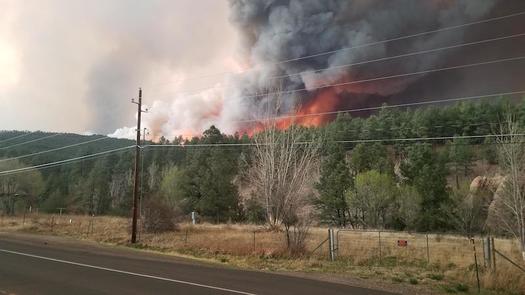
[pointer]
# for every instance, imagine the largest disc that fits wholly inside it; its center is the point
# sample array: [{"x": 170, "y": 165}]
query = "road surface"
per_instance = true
[{"x": 50, "y": 265}]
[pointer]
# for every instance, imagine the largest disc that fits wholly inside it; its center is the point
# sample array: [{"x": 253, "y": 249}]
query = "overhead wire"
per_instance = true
[
  {"x": 54, "y": 149},
  {"x": 390, "y": 77},
  {"x": 399, "y": 38},
  {"x": 411, "y": 139},
  {"x": 8, "y": 172},
  {"x": 52, "y": 164},
  {"x": 61, "y": 164},
  {"x": 90, "y": 156},
  {"x": 382, "y": 59},
  {"x": 384, "y": 106},
  {"x": 15, "y": 137},
  {"x": 30, "y": 141}
]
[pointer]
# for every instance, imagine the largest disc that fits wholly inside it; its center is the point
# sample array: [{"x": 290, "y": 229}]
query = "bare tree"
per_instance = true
[
  {"x": 508, "y": 208},
  {"x": 283, "y": 170},
  {"x": 469, "y": 207}
]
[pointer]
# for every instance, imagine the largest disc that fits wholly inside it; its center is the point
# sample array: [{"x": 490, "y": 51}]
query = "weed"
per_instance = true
[
  {"x": 436, "y": 276},
  {"x": 413, "y": 281},
  {"x": 462, "y": 287}
]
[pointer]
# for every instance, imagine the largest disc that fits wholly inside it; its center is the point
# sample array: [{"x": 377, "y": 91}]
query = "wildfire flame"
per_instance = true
[{"x": 317, "y": 111}]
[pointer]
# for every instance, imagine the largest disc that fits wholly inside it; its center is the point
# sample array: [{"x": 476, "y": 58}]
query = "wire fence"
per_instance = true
[{"x": 361, "y": 247}]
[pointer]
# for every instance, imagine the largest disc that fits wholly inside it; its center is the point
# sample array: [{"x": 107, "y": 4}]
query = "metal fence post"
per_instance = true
[
  {"x": 254, "y": 248},
  {"x": 380, "y": 254},
  {"x": 493, "y": 250},
  {"x": 487, "y": 252},
  {"x": 428, "y": 251},
  {"x": 24, "y": 219},
  {"x": 331, "y": 244},
  {"x": 476, "y": 263}
]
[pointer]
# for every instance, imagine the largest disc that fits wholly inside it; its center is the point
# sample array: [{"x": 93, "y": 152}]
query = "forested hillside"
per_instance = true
[{"x": 396, "y": 168}]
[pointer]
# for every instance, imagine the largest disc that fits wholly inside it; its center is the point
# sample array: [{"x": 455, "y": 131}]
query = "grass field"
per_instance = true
[{"x": 445, "y": 266}]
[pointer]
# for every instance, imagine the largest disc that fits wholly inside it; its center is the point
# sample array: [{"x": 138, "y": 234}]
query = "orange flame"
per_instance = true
[{"x": 317, "y": 111}]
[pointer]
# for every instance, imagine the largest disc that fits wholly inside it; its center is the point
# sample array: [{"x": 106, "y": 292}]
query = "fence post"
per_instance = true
[
  {"x": 493, "y": 250},
  {"x": 24, "y": 219},
  {"x": 428, "y": 251},
  {"x": 487, "y": 252},
  {"x": 331, "y": 244},
  {"x": 476, "y": 262},
  {"x": 380, "y": 254},
  {"x": 254, "y": 248}
]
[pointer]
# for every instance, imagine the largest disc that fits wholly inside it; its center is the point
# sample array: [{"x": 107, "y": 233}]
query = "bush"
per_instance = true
[
  {"x": 462, "y": 287},
  {"x": 413, "y": 281},
  {"x": 159, "y": 217},
  {"x": 436, "y": 276}
]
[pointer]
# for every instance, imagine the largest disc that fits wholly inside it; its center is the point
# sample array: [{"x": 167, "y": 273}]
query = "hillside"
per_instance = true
[
  {"x": 425, "y": 153},
  {"x": 17, "y": 143}
]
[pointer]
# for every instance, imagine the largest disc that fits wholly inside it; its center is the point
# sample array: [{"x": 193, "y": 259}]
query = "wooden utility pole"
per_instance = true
[{"x": 137, "y": 168}]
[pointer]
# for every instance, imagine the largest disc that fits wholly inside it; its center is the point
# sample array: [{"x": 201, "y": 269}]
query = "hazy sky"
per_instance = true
[{"x": 74, "y": 65}]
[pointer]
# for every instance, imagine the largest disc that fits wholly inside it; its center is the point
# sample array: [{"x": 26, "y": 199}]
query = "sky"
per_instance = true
[{"x": 74, "y": 65}]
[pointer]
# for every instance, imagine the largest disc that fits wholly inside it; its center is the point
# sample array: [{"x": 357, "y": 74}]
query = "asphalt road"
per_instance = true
[{"x": 50, "y": 265}]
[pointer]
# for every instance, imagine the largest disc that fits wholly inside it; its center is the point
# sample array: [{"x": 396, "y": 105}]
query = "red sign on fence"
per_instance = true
[{"x": 402, "y": 243}]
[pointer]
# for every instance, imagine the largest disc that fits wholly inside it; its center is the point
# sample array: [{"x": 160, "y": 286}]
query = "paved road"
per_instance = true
[{"x": 50, "y": 265}]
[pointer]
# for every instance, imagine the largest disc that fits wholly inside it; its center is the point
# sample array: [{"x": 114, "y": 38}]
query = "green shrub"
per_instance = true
[
  {"x": 462, "y": 287},
  {"x": 436, "y": 276}
]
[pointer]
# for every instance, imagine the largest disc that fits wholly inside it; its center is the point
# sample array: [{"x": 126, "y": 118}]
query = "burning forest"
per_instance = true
[{"x": 323, "y": 57}]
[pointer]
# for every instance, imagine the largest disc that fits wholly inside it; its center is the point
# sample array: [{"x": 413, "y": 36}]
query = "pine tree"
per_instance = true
[{"x": 334, "y": 182}]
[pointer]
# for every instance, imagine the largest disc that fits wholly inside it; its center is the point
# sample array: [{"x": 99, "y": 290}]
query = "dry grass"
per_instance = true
[{"x": 451, "y": 257}]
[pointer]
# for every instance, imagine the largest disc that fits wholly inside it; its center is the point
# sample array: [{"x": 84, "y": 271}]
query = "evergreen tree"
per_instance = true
[
  {"x": 334, "y": 182},
  {"x": 427, "y": 172},
  {"x": 210, "y": 173},
  {"x": 461, "y": 157},
  {"x": 372, "y": 156}
]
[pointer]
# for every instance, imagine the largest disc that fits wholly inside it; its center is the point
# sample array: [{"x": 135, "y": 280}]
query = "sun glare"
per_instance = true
[{"x": 9, "y": 64}]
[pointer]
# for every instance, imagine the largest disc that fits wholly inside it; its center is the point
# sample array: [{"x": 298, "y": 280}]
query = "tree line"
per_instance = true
[{"x": 384, "y": 184}]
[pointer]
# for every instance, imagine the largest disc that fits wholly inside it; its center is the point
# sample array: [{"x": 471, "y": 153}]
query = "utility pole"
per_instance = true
[{"x": 137, "y": 168}]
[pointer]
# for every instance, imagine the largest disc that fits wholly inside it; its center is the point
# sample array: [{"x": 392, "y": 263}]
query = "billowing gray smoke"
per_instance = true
[
  {"x": 281, "y": 30},
  {"x": 275, "y": 35}
]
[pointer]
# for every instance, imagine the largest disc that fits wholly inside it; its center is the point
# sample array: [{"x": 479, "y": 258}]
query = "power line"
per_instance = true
[
  {"x": 430, "y": 138},
  {"x": 91, "y": 156},
  {"x": 54, "y": 150},
  {"x": 16, "y": 137},
  {"x": 2, "y": 173},
  {"x": 51, "y": 165},
  {"x": 404, "y": 37},
  {"x": 422, "y": 127},
  {"x": 30, "y": 141},
  {"x": 411, "y": 139},
  {"x": 390, "y": 77},
  {"x": 404, "y": 55},
  {"x": 415, "y": 53},
  {"x": 450, "y": 28},
  {"x": 383, "y": 107}
]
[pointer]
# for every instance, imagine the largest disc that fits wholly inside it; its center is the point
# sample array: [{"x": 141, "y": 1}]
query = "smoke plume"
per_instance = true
[{"x": 276, "y": 34}]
